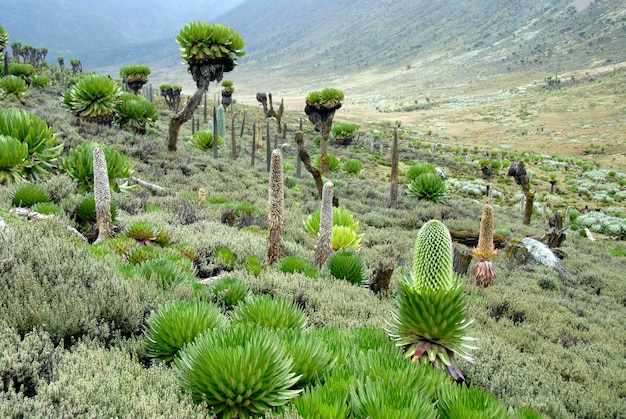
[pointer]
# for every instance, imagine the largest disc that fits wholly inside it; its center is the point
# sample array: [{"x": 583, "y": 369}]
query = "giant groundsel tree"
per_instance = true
[{"x": 210, "y": 51}]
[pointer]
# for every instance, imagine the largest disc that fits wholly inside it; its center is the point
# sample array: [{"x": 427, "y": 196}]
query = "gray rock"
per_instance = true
[{"x": 541, "y": 254}]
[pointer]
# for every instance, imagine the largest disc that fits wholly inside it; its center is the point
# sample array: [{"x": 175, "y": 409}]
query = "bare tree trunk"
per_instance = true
[
  {"x": 243, "y": 123},
  {"x": 233, "y": 150},
  {"x": 253, "y": 143},
  {"x": 530, "y": 199},
  {"x": 102, "y": 196},
  {"x": 269, "y": 145},
  {"x": 303, "y": 155},
  {"x": 393, "y": 197},
  {"x": 183, "y": 116},
  {"x": 216, "y": 138}
]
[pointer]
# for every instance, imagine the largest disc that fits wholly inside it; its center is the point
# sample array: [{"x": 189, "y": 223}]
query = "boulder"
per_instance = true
[{"x": 532, "y": 251}]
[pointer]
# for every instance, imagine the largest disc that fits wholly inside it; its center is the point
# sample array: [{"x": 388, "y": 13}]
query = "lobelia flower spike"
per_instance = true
[
  {"x": 324, "y": 246},
  {"x": 483, "y": 272},
  {"x": 431, "y": 311},
  {"x": 102, "y": 195},
  {"x": 276, "y": 213}
]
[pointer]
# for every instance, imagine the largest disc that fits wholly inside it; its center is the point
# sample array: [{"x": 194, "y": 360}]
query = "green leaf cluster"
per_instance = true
[
  {"x": 342, "y": 131},
  {"x": 23, "y": 70},
  {"x": 31, "y": 130},
  {"x": 12, "y": 86},
  {"x": 326, "y": 99},
  {"x": 201, "y": 42},
  {"x": 4, "y": 38},
  {"x": 228, "y": 291},
  {"x": 240, "y": 372},
  {"x": 293, "y": 264},
  {"x": 178, "y": 323},
  {"x": 29, "y": 194},
  {"x": 345, "y": 234},
  {"x": 79, "y": 165},
  {"x": 41, "y": 81},
  {"x": 273, "y": 313},
  {"x": 94, "y": 96},
  {"x": 203, "y": 140},
  {"x": 13, "y": 155},
  {"x": 417, "y": 169},
  {"x": 131, "y": 73},
  {"x": 427, "y": 187},
  {"x": 353, "y": 166},
  {"x": 135, "y": 113},
  {"x": 347, "y": 265}
]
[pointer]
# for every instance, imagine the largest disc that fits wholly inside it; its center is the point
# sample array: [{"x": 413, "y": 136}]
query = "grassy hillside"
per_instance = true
[{"x": 74, "y": 318}]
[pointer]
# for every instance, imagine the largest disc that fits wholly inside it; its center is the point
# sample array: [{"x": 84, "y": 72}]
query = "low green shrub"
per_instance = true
[{"x": 353, "y": 166}]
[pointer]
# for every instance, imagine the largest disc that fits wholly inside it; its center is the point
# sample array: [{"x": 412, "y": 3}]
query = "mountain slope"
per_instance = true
[{"x": 79, "y": 28}]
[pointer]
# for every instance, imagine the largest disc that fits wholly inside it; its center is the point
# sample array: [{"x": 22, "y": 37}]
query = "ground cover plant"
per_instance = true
[{"x": 83, "y": 325}]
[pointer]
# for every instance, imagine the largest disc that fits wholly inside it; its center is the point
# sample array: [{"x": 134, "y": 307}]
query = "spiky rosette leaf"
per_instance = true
[
  {"x": 292, "y": 264},
  {"x": 142, "y": 231},
  {"x": 178, "y": 323},
  {"x": 329, "y": 98},
  {"x": 12, "y": 158},
  {"x": 377, "y": 399},
  {"x": 79, "y": 165},
  {"x": 140, "y": 254},
  {"x": 49, "y": 208},
  {"x": 430, "y": 325},
  {"x": 165, "y": 272},
  {"x": 432, "y": 257},
  {"x": 347, "y": 265},
  {"x": 86, "y": 210},
  {"x": 311, "y": 356},
  {"x": 239, "y": 372},
  {"x": 324, "y": 401},
  {"x": 527, "y": 414},
  {"x": 228, "y": 291},
  {"x": 29, "y": 194},
  {"x": 427, "y": 187},
  {"x": 12, "y": 87},
  {"x": 93, "y": 97},
  {"x": 270, "y": 312},
  {"x": 31, "y": 130},
  {"x": 462, "y": 402},
  {"x": 135, "y": 113}
]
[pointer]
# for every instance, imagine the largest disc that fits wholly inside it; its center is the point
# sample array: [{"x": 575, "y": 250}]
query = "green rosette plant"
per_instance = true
[
  {"x": 47, "y": 208},
  {"x": 239, "y": 372},
  {"x": 417, "y": 169},
  {"x": 311, "y": 357},
  {"x": 228, "y": 291},
  {"x": 29, "y": 194},
  {"x": 86, "y": 211},
  {"x": 326, "y": 99},
  {"x": 427, "y": 187},
  {"x": 333, "y": 162},
  {"x": 4, "y": 38},
  {"x": 341, "y": 217},
  {"x": 22, "y": 70},
  {"x": 135, "y": 76},
  {"x": 273, "y": 313},
  {"x": 135, "y": 113},
  {"x": 12, "y": 158},
  {"x": 459, "y": 401},
  {"x": 79, "y": 165},
  {"x": 31, "y": 130},
  {"x": 12, "y": 87},
  {"x": 353, "y": 166},
  {"x": 201, "y": 42},
  {"x": 430, "y": 317},
  {"x": 324, "y": 401},
  {"x": 41, "y": 81},
  {"x": 166, "y": 272},
  {"x": 348, "y": 266},
  {"x": 379, "y": 399},
  {"x": 178, "y": 323},
  {"x": 93, "y": 98},
  {"x": 203, "y": 140},
  {"x": 292, "y": 264}
]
